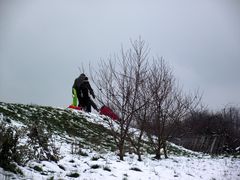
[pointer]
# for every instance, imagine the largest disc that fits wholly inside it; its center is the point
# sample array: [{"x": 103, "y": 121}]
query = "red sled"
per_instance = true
[
  {"x": 107, "y": 111},
  {"x": 74, "y": 107}
]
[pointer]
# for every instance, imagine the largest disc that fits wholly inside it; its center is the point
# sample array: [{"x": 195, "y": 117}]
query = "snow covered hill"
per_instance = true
[{"x": 85, "y": 150}]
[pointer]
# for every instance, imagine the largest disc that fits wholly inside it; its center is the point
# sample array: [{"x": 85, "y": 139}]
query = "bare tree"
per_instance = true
[
  {"x": 169, "y": 105},
  {"x": 232, "y": 114},
  {"x": 212, "y": 132},
  {"x": 144, "y": 94},
  {"x": 119, "y": 81},
  {"x": 160, "y": 85},
  {"x": 141, "y": 117}
]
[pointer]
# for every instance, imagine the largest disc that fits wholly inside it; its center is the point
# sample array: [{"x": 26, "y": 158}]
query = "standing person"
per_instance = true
[
  {"x": 86, "y": 89},
  {"x": 76, "y": 88},
  {"x": 83, "y": 88}
]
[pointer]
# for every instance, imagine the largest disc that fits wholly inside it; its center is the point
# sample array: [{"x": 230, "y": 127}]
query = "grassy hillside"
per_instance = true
[
  {"x": 74, "y": 144},
  {"x": 86, "y": 127},
  {"x": 59, "y": 121},
  {"x": 68, "y": 122}
]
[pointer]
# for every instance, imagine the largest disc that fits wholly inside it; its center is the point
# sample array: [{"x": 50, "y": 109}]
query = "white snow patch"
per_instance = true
[{"x": 108, "y": 166}]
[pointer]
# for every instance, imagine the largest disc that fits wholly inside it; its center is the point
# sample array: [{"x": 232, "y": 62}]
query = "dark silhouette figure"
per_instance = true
[{"x": 83, "y": 89}]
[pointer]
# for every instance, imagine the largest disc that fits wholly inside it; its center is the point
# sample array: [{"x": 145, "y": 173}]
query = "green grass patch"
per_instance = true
[{"x": 65, "y": 121}]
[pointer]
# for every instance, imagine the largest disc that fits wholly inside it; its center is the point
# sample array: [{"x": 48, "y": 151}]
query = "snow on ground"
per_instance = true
[{"x": 106, "y": 165}]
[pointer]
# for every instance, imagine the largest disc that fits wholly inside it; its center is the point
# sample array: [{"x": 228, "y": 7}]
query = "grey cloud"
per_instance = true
[{"x": 44, "y": 42}]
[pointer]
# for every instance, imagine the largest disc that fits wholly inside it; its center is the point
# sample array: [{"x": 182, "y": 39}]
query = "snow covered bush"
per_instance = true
[
  {"x": 41, "y": 145},
  {"x": 10, "y": 153}
]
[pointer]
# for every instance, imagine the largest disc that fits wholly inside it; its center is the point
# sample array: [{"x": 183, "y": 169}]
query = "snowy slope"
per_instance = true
[{"x": 100, "y": 163}]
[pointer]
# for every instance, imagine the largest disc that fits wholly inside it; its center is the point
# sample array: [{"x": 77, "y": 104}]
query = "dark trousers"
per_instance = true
[
  {"x": 93, "y": 105},
  {"x": 86, "y": 103},
  {"x": 90, "y": 104}
]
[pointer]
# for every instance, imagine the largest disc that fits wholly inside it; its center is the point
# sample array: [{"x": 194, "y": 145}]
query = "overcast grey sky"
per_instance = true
[{"x": 43, "y": 42}]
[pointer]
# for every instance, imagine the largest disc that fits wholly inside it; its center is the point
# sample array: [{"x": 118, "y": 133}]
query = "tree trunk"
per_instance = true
[
  {"x": 121, "y": 152},
  {"x": 139, "y": 157},
  {"x": 139, "y": 154},
  {"x": 165, "y": 150},
  {"x": 158, "y": 154}
]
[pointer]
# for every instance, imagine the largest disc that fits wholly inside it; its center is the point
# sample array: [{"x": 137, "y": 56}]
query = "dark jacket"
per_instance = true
[
  {"x": 85, "y": 101},
  {"x": 83, "y": 88},
  {"x": 77, "y": 83},
  {"x": 86, "y": 88}
]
